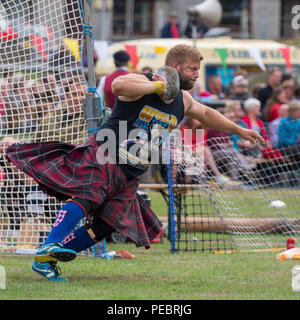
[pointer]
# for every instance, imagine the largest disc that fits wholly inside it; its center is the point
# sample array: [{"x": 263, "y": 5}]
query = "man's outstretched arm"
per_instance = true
[{"x": 211, "y": 118}]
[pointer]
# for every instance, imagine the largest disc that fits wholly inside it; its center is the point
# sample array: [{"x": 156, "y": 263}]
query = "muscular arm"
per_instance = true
[
  {"x": 132, "y": 86},
  {"x": 211, "y": 118}
]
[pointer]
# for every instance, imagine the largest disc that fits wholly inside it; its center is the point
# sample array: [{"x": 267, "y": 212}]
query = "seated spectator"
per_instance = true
[
  {"x": 3, "y": 95},
  {"x": 278, "y": 97},
  {"x": 297, "y": 92},
  {"x": 273, "y": 125},
  {"x": 252, "y": 108},
  {"x": 227, "y": 157},
  {"x": 147, "y": 70},
  {"x": 12, "y": 122},
  {"x": 257, "y": 88},
  {"x": 190, "y": 138},
  {"x": 288, "y": 85},
  {"x": 274, "y": 81},
  {"x": 238, "y": 72},
  {"x": 67, "y": 123},
  {"x": 200, "y": 95},
  {"x": 13, "y": 186},
  {"x": 215, "y": 87},
  {"x": 235, "y": 107},
  {"x": 240, "y": 89},
  {"x": 289, "y": 132}
]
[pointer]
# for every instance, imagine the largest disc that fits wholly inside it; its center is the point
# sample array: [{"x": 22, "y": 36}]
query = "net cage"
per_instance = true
[
  {"x": 224, "y": 196},
  {"x": 43, "y": 63},
  {"x": 219, "y": 199}
]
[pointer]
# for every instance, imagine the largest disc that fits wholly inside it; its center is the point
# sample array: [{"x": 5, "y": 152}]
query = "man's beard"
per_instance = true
[{"x": 185, "y": 82}]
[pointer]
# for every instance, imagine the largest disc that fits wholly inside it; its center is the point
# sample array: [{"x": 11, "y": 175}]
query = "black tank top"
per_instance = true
[{"x": 139, "y": 128}]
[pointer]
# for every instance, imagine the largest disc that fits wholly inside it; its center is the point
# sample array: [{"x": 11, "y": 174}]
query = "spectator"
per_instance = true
[
  {"x": 240, "y": 89},
  {"x": 297, "y": 92},
  {"x": 52, "y": 89},
  {"x": 172, "y": 28},
  {"x": 252, "y": 108},
  {"x": 13, "y": 186},
  {"x": 289, "y": 132},
  {"x": 274, "y": 80},
  {"x": 201, "y": 29},
  {"x": 3, "y": 95},
  {"x": 273, "y": 125},
  {"x": 121, "y": 60},
  {"x": 215, "y": 87},
  {"x": 273, "y": 104},
  {"x": 12, "y": 121},
  {"x": 191, "y": 139},
  {"x": 238, "y": 72},
  {"x": 235, "y": 107},
  {"x": 227, "y": 157},
  {"x": 147, "y": 70},
  {"x": 288, "y": 85},
  {"x": 200, "y": 95},
  {"x": 257, "y": 88},
  {"x": 68, "y": 122}
]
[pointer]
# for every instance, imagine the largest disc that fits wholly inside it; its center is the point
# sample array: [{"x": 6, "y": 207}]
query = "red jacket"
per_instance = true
[
  {"x": 267, "y": 152},
  {"x": 263, "y": 131},
  {"x": 110, "y": 97}
]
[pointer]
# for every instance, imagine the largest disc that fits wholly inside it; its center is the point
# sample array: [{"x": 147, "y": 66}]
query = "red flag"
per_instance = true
[
  {"x": 131, "y": 50},
  {"x": 286, "y": 53},
  {"x": 39, "y": 42}
]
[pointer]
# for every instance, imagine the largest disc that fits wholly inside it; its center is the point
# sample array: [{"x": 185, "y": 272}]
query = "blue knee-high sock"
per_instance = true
[
  {"x": 78, "y": 240},
  {"x": 67, "y": 218}
]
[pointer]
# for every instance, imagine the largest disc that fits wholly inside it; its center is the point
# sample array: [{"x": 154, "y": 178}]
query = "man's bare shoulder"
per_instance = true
[{"x": 187, "y": 100}]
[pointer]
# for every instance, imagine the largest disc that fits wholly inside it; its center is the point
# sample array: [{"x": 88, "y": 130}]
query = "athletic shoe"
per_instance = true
[
  {"x": 54, "y": 251},
  {"x": 50, "y": 270}
]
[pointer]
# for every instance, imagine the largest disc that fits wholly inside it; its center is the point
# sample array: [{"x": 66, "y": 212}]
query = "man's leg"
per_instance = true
[
  {"x": 87, "y": 235},
  {"x": 67, "y": 219}
]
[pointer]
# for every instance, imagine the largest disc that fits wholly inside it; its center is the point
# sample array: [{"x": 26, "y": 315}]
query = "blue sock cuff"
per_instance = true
[{"x": 67, "y": 218}]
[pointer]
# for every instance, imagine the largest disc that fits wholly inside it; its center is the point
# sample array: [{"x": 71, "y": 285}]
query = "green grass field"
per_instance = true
[{"x": 156, "y": 274}]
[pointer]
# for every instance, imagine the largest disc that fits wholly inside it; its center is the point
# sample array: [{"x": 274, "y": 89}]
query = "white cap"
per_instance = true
[{"x": 240, "y": 81}]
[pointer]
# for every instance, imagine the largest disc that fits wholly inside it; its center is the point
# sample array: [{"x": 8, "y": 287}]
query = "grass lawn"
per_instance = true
[{"x": 156, "y": 274}]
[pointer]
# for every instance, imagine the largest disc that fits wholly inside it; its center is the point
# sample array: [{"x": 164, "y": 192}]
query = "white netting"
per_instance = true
[
  {"x": 239, "y": 200},
  {"x": 42, "y": 91}
]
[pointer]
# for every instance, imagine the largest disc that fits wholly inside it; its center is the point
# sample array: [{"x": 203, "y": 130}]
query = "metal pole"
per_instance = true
[
  {"x": 103, "y": 21},
  {"x": 129, "y": 19},
  {"x": 91, "y": 108}
]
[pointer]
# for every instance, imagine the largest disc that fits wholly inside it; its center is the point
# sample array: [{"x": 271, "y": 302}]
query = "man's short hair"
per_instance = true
[
  {"x": 121, "y": 58},
  {"x": 180, "y": 53}
]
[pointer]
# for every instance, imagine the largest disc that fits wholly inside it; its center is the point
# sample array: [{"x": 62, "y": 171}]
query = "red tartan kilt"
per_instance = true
[{"x": 63, "y": 170}]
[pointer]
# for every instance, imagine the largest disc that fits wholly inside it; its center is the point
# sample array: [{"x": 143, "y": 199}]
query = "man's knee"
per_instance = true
[
  {"x": 88, "y": 206},
  {"x": 99, "y": 229}
]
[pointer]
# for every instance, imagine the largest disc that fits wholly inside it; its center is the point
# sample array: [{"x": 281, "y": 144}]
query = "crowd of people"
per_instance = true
[
  {"x": 50, "y": 108},
  {"x": 269, "y": 108},
  {"x": 26, "y": 103}
]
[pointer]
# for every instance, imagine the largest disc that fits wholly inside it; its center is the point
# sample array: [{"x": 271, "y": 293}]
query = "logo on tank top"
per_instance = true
[{"x": 143, "y": 143}]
